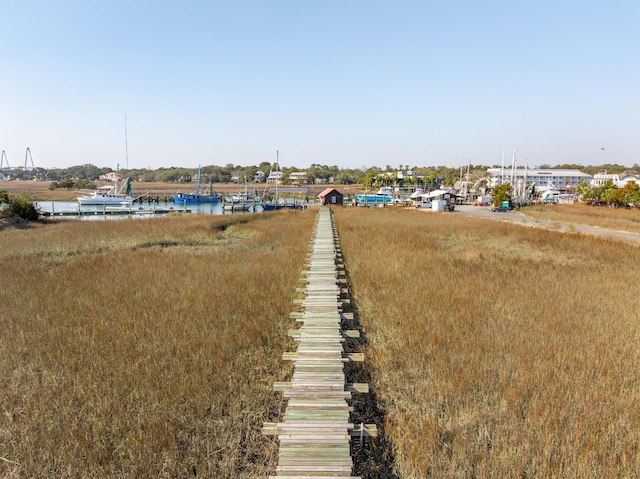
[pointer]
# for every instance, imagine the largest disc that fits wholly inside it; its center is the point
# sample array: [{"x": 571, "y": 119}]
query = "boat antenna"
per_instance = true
[
  {"x": 126, "y": 141},
  {"x": 277, "y": 177}
]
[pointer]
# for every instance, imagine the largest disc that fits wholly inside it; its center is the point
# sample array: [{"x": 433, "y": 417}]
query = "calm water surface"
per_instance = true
[{"x": 206, "y": 208}]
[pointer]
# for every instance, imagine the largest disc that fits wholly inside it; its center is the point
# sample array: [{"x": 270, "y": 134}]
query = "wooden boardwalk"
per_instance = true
[{"x": 315, "y": 434}]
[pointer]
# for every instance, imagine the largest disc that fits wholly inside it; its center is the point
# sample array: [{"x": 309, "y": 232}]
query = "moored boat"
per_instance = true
[
  {"x": 109, "y": 195},
  {"x": 198, "y": 197},
  {"x": 381, "y": 197}
]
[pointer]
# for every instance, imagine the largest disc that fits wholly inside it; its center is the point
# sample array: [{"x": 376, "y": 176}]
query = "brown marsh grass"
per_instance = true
[
  {"x": 580, "y": 214},
  {"x": 498, "y": 350},
  {"x": 145, "y": 348}
]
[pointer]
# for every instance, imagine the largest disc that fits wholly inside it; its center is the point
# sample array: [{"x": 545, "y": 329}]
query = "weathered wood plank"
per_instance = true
[{"x": 315, "y": 432}]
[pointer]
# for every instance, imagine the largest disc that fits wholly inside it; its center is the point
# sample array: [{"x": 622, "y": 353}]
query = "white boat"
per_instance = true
[
  {"x": 241, "y": 201},
  {"x": 384, "y": 195},
  {"x": 109, "y": 195}
]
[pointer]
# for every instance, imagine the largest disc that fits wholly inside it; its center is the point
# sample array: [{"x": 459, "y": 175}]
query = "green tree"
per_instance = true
[
  {"x": 607, "y": 193},
  {"x": 430, "y": 179},
  {"x": 500, "y": 194},
  {"x": 369, "y": 179}
]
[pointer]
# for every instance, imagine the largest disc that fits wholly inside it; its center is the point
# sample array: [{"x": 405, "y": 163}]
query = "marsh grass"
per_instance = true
[
  {"x": 145, "y": 348},
  {"x": 496, "y": 350},
  {"x": 599, "y": 216}
]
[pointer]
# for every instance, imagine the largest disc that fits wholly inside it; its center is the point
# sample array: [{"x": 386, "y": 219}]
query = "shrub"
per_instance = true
[{"x": 19, "y": 206}]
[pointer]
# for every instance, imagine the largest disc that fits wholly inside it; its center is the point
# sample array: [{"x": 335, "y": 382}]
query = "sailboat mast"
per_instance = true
[
  {"x": 126, "y": 141},
  {"x": 466, "y": 186},
  {"x": 526, "y": 170},
  {"x": 513, "y": 171}
]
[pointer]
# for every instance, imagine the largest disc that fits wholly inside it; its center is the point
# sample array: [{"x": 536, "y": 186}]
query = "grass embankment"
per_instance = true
[
  {"x": 599, "y": 216},
  {"x": 497, "y": 350},
  {"x": 145, "y": 348}
]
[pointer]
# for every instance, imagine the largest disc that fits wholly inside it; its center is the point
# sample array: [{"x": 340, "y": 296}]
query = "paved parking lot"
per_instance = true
[{"x": 520, "y": 218}]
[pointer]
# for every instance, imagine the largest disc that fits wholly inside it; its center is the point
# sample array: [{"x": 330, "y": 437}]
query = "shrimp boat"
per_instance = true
[
  {"x": 109, "y": 195},
  {"x": 198, "y": 197}
]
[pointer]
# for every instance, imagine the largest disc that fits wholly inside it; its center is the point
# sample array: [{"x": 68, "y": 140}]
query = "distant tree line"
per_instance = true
[
  {"x": 82, "y": 175},
  {"x": 611, "y": 195}
]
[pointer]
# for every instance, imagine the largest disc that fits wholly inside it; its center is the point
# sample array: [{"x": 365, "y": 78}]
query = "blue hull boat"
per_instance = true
[
  {"x": 197, "y": 197},
  {"x": 194, "y": 198},
  {"x": 384, "y": 196}
]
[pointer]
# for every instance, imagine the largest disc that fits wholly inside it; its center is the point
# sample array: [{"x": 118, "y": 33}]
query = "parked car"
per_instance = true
[{"x": 501, "y": 209}]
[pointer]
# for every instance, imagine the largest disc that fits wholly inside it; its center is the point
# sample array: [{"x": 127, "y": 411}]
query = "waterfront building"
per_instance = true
[{"x": 540, "y": 178}]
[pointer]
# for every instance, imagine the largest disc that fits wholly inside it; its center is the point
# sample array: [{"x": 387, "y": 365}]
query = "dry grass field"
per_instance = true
[
  {"x": 598, "y": 216},
  {"x": 148, "y": 348},
  {"x": 498, "y": 350},
  {"x": 145, "y": 348}
]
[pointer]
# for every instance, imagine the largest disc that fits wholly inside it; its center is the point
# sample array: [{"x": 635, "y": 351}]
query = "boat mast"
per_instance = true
[
  {"x": 526, "y": 168},
  {"x": 513, "y": 169},
  {"x": 198, "y": 187},
  {"x": 466, "y": 186},
  {"x": 126, "y": 141}
]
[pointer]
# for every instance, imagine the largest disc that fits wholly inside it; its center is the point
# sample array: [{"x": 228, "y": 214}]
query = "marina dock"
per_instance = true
[
  {"x": 316, "y": 432},
  {"x": 110, "y": 211}
]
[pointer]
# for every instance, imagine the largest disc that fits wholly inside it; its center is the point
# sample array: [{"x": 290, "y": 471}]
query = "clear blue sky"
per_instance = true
[{"x": 351, "y": 83}]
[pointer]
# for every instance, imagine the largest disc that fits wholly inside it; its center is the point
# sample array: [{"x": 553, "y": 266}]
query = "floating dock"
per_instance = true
[{"x": 112, "y": 212}]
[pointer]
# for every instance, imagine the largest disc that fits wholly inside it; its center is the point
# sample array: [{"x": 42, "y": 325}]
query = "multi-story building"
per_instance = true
[{"x": 541, "y": 178}]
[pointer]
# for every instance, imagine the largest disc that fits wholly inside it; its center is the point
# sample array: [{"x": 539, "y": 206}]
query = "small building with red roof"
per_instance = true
[{"x": 331, "y": 196}]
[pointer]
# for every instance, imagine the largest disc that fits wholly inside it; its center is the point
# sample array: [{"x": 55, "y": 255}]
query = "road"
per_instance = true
[{"x": 520, "y": 218}]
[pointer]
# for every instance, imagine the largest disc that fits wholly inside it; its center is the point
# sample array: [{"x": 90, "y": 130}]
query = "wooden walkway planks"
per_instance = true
[{"x": 315, "y": 433}]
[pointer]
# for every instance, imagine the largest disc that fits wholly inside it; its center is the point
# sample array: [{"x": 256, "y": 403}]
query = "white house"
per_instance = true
[
  {"x": 275, "y": 177},
  {"x": 111, "y": 176},
  {"x": 298, "y": 177},
  {"x": 619, "y": 181}
]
